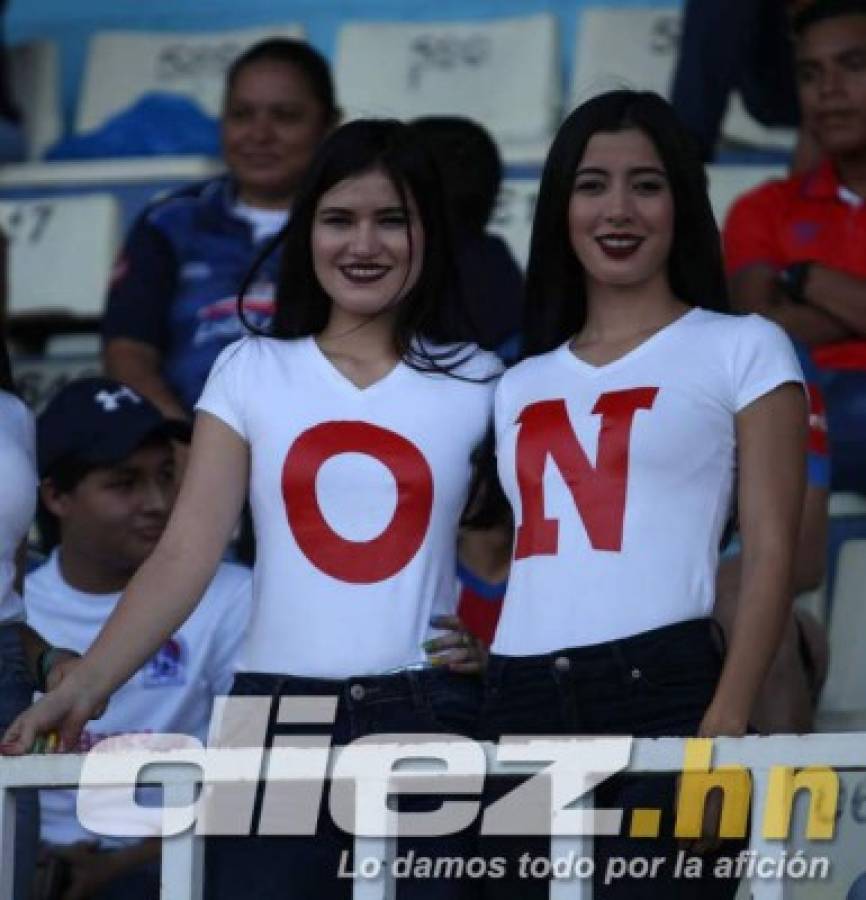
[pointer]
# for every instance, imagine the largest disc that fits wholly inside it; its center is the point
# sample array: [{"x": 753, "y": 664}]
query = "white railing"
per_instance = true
[{"x": 182, "y": 854}]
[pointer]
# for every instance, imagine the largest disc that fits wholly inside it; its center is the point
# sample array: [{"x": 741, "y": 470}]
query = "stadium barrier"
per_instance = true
[{"x": 764, "y": 757}]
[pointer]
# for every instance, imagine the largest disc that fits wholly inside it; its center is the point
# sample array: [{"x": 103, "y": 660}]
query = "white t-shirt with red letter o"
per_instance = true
[
  {"x": 621, "y": 478},
  {"x": 356, "y": 497}
]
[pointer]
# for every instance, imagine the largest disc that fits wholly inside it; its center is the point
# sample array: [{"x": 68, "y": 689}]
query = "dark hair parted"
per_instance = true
[
  {"x": 291, "y": 52},
  {"x": 806, "y": 13},
  {"x": 432, "y": 309},
  {"x": 556, "y": 298}
]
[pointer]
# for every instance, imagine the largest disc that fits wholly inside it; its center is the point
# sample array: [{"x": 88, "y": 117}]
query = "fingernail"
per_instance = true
[
  {"x": 38, "y": 745},
  {"x": 427, "y": 646},
  {"x": 52, "y": 742},
  {"x": 437, "y": 660}
]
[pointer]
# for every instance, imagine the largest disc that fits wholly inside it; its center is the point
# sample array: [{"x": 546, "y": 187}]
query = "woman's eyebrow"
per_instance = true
[
  {"x": 648, "y": 170},
  {"x": 590, "y": 170}
]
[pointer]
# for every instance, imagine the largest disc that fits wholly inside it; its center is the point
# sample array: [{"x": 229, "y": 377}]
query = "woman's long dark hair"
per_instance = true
[
  {"x": 432, "y": 308},
  {"x": 555, "y": 285}
]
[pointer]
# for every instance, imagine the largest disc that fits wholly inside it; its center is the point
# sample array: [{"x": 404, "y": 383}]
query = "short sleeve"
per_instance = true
[
  {"x": 750, "y": 234},
  {"x": 224, "y": 393},
  {"x": 764, "y": 359},
  {"x": 143, "y": 284}
]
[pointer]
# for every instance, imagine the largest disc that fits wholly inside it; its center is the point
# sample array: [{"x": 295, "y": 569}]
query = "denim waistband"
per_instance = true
[
  {"x": 406, "y": 684},
  {"x": 699, "y": 637}
]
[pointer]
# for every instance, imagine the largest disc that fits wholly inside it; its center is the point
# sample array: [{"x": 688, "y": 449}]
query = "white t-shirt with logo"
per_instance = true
[
  {"x": 621, "y": 478},
  {"x": 356, "y": 497},
  {"x": 17, "y": 496},
  {"x": 171, "y": 694}
]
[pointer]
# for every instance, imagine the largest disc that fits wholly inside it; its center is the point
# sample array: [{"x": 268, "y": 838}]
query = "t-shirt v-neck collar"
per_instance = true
[
  {"x": 343, "y": 382},
  {"x": 596, "y": 371}
]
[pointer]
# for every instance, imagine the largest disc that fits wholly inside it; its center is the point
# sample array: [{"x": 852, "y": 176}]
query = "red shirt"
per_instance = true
[{"x": 806, "y": 217}]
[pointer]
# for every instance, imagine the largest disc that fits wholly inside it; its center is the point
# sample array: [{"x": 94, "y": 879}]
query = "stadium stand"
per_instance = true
[
  {"x": 843, "y": 705},
  {"x": 61, "y": 252},
  {"x": 503, "y": 74},
  {"x": 122, "y": 66},
  {"x": 637, "y": 47},
  {"x": 35, "y": 78}
]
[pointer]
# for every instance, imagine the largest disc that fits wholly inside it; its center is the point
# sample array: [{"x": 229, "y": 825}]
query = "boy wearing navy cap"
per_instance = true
[{"x": 106, "y": 466}]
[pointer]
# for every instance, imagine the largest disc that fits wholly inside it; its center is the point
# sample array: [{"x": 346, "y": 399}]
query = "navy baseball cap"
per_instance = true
[{"x": 99, "y": 421}]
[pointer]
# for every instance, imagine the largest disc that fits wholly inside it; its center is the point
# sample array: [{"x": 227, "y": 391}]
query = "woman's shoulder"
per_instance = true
[
  {"x": 14, "y": 412},
  {"x": 532, "y": 367},
  {"x": 16, "y": 419},
  {"x": 736, "y": 327},
  {"x": 464, "y": 360}
]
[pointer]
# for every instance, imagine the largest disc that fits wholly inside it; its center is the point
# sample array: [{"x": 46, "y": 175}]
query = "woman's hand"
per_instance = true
[
  {"x": 458, "y": 649},
  {"x": 65, "y": 709}
]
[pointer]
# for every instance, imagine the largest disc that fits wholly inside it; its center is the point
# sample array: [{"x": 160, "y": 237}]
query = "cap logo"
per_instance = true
[{"x": 110, "y": 400}]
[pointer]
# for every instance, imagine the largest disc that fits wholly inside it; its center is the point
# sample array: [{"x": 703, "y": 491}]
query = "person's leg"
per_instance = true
[
  {"x": 845, "y": 395},
  {"x": 281, "y": 867},
  {"x": 141, "y": 883},
  {"x": 523, "y": 696},
  {"x": 16, "y": 694},
  {"x": 716, "y": 36},
  {"x": 659, "y": 684}
]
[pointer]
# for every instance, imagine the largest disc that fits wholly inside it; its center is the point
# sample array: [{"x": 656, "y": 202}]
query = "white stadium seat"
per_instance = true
[
  {"x": 637, "y": 48},
  {"x": 502, "y": 73},
  {"x": 845, "y": 690},
  {"x": 729, "y": 182},
  {"x": 35, "y": 77},
  {"x": 124, "y": 65},
  {"x": 625, "y": 48},
  {"x": 61, "y": 251}
]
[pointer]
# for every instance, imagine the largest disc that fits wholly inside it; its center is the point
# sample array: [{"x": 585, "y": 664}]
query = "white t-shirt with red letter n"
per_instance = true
[
  {"x": 356, "y": 497},
  {"x": 621, "y": 478}
]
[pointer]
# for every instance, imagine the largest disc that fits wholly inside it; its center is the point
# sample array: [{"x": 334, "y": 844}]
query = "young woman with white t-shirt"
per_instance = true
[
  {"x": 640, "y": 408},
  {"x": 352, "y": 426}
]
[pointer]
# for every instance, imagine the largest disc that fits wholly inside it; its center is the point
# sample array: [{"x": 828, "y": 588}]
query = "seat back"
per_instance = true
[
  {"x": 61, "y": 251},
  {"x": 503, "y": 74},
  {"x": 35, "y": 77},
  {"x": 124, "y": 65}
]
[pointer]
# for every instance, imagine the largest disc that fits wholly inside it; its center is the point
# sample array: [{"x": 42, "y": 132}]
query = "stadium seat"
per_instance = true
[
  {"x": 512, "y": 217},
  {"x": 35, "y": 77},
  {"x": 729, "y": 182},
  {"x": 502, "y": 73},
  {"x": 845, "y": 690},
  {"x": 61, "y": 251},
  {"x": 124, "y": 65},
  {"x": 637, "y": 48},
  {"x": 625, "y": 48}
]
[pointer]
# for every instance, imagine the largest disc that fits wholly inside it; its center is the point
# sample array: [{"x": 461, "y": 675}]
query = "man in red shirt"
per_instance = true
[{"x": 796, "y": 248}]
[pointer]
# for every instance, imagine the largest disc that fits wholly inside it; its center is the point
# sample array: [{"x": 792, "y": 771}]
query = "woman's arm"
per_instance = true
[
  {"x": 163, "y": 592},
  {"x": 771, "y": 441}
]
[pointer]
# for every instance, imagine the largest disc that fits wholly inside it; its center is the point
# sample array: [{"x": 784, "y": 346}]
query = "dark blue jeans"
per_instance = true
[
  {"x": 655, "y": 684},
  {"x": 16, "y": 694},
  {"x": 285, "y": 868}
]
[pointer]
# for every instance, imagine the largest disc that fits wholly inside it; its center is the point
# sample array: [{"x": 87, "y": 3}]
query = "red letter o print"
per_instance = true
[{"x": 357, "y": 562}]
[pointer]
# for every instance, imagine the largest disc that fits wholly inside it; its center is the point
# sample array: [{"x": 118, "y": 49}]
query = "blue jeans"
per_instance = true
[
  {"x": 845, "y": 394},
  {"x": 655, "y": 684},
  {"x": 16, "y": 694},
  {"x": 285, "y": 868}
]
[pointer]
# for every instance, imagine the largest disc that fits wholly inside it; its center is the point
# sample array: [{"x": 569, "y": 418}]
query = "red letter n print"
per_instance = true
[{"x": 599, "y": 491}]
